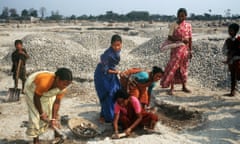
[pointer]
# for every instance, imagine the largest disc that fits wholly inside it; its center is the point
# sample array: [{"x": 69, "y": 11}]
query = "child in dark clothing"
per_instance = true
[
  {"x": 231, "y": 46},
  {"x": 19, "y": 54}
]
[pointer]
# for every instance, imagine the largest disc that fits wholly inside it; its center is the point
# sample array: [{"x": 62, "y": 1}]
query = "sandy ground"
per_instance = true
[{"x": 219, "y": 123}]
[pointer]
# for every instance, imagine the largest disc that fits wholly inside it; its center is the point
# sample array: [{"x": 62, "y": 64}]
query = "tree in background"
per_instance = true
[
  {"x": 13, "y": 13},
  {"x": 55, "y": 16},
  {"x": 24, "y": 14},
  {"x": 73, "y": 17},
  {"x": 33, "y": 12},
  {"x": 138, "y": 15},
  {"x": 42, "y": 11},
  {"x": 5, "y": 13}
]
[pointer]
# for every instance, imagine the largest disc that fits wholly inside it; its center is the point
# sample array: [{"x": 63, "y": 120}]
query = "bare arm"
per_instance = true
[
  {"x": 24, "y": 53},
  {"x": 190, "y": 48},
  {"x": 136, "y": 122},
  {"x": 173, "y": 38},
  {"x": 113, "y": 71},
  {"x": 190, "y": 44},
  {"x": 37, "y": 103},
  {"x": 55, "y": 109},
  {"x": 115, "y": 123}
]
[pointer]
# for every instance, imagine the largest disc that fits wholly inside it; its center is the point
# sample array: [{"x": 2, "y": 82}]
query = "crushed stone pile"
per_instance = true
[
  {"x": 206, "y": 65},
  {"x": 81, "y": 53},
  {"x": 98, "y": 41},
  {"x": 49, "y": 51}
]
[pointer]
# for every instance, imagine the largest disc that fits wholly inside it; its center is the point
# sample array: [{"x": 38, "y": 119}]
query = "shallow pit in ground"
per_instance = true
[{"x": 178, "y": 117}]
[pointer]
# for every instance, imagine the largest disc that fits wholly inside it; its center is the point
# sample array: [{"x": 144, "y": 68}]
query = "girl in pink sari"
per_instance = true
[{"x": 180, "y": 42}]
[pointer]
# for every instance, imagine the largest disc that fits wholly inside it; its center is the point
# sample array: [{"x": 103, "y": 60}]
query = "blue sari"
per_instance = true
[{"x": 107, "y": 84}]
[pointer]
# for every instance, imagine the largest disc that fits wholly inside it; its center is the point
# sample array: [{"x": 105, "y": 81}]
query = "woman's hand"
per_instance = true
[
  {"x": 54, "y": 123},
  {"x": 190, "y": 55},
  {"x": 116, "y": 135},
  {"x": 44, "y": 117},
  {"x": 185, "y": 41},
  {"x": 119, "y": 72},
  {"x": 128, "y": 131}
]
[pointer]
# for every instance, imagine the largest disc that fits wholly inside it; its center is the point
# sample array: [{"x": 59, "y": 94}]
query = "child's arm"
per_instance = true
[
  {"x": 24, "y": 52},
  {"x": 225, "y": 48},
  {"x": 14, "y": 63}
]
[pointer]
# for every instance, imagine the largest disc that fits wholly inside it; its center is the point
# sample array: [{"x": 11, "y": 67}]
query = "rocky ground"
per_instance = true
[{"x": 204, "y": 116}]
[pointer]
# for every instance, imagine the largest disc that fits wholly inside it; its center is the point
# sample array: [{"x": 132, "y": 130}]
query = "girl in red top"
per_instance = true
[{"x": 129, "y": 113}]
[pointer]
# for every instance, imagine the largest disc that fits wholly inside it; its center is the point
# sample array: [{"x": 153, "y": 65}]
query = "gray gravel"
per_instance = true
[
  {"x": 81, "y": 52},
  {"x": 205, "y": 66}
]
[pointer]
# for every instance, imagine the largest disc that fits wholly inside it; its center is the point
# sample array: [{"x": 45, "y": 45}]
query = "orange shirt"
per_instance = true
[{"x": 43, "y": 82}]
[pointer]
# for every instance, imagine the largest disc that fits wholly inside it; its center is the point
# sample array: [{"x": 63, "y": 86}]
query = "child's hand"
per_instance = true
[{"x": 21, "y": 52}]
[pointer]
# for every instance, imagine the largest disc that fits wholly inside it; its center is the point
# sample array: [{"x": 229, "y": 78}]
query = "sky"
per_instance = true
[{"x": 96, "y": 7}]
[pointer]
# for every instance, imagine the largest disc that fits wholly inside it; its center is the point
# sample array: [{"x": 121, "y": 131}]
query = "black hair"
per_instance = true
[
  {"x": 18, "y": 42},
  {"x": 121, "y": 94},
  {"x": 64, "y": 74},
  {"x": 182, "y": 10},
  {"x": 234, "y": 26},
  {"x": 156, "y": 69},
  {"x": 116, "y": 38}
]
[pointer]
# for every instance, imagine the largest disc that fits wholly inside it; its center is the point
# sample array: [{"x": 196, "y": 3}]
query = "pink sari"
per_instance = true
[{"x": 176, "y": 69}]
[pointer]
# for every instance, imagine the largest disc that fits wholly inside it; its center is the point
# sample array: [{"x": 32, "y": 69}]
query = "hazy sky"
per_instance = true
[{"x": 95, "y": 7}]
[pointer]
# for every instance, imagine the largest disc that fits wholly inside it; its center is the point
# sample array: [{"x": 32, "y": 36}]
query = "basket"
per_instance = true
[{"x": 80, "y": 127}]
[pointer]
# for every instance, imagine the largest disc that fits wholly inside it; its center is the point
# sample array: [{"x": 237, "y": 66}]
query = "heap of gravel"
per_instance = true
[
  {"x": 49, "y": 51},
  {"x": 206, "y": 65},
  {"x": 81, "y": 54},
  {"x": 98, "y": 41}
]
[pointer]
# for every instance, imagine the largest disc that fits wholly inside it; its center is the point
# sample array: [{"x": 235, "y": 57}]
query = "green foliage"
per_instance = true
[
  {"x": 112, "y": 16},
  {"x": 55, "y": 16}
]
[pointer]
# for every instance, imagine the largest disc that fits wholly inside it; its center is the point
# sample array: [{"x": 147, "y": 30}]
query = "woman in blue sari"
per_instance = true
[{"x": 106, "y": 80}]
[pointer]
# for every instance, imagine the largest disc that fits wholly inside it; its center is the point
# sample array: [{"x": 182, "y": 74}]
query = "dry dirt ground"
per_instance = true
[{"x": 202, "y": 117}]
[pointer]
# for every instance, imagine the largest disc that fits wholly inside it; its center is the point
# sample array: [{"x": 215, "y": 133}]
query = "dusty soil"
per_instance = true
[
  {"x": 178, "y": 118},
  {"x": 202, "y": 117}
]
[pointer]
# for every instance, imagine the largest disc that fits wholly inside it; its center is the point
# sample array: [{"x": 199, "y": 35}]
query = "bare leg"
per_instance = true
[
  {"x": 23, "y": 84},
  {"x": 15, "y": 83},
  {"x": 36, "y": 140},
  {"x": 171, "y": 88},
  {"x": 233, "y": 83},
  {"x": 185, "y": 89},
  {"x": 101, "y": 119}
]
